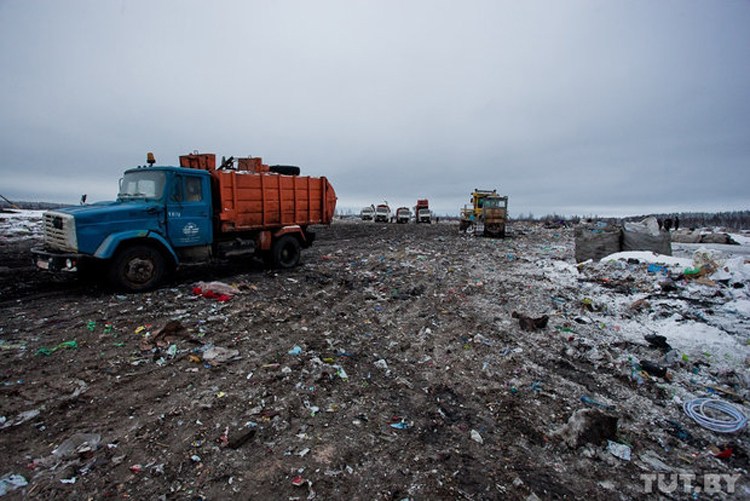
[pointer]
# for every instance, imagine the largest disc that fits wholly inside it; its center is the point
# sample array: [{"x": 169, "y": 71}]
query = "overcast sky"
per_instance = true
[{"x": 574, "y": 107}]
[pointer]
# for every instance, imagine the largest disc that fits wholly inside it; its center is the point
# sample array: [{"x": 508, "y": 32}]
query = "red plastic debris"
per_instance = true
[
  {"x": 136, "y": 468},
  {"x": 298, "y": 481},
  {"x": 209, "y": 294},
  {"x": 224, "y": 438},
  {"x": 725, "y": 454}
]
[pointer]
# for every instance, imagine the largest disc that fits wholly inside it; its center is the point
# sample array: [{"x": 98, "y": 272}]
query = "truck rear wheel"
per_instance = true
[
  {"x": 285, "y": 252},
  {"x": 137, "y": 268}
]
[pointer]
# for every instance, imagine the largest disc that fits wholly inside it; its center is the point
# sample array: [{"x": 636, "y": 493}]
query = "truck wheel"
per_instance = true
[
  {"x": 285, "y": 252},
  {"x": 287, "y": 170},
  {"x": 137, "y": 268}
]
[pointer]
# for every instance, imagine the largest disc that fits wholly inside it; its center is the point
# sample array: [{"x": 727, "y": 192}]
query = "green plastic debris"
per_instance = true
[
  {"x": 91, "y": 326},
  {"x": 691, "y": 271},
  {"x": 62, "y": 346}
]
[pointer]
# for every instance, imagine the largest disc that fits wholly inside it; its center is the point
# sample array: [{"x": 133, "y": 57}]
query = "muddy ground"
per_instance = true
[{"x": 411, "y": 379}]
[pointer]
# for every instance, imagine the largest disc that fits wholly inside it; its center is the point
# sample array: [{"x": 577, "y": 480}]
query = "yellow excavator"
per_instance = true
[{"x": 488, "y": 213}]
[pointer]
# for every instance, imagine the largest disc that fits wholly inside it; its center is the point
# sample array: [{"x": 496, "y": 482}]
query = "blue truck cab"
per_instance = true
[{"x": 162, "y": 216}]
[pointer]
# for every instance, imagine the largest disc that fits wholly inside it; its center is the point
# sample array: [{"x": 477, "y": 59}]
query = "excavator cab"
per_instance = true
[
  {"x": 494, "y": 215},
  {"x": 487, "y": 207}
]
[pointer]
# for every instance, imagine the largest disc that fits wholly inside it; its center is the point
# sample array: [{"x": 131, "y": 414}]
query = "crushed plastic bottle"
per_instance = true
[{"x": 590, "y": 401}]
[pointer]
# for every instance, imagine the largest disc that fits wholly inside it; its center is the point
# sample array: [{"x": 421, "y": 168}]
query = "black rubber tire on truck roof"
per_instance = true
[
  {"x": 137, "y": 268},
  {"x": 287, "y": 170},
  {"x": 285, "y": 252}
]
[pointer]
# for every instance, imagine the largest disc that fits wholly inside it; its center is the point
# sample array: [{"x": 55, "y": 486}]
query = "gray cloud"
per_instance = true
[{"x": 575, "y": 107}]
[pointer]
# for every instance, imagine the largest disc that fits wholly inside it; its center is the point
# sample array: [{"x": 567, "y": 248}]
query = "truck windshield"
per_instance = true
[
  {"x": 494, "y": 203},
  {"x": 142, "y": 184}
]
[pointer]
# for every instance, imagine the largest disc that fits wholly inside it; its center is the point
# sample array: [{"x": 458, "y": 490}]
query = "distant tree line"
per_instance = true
[
  {"x": 731, "y": 220},
  {"x": 734, "y": 220},
  {"x": 32, "y": 205}
]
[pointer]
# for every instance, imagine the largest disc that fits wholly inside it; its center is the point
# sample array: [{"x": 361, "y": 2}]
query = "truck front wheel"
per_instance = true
[
  {"x": 285, "y": 252},
  {"x": 137, "y": 268}
]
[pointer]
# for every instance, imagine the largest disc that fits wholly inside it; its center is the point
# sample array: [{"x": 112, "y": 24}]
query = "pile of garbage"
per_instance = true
[
  {"x": 398, "y": 362},
  {"x": 599, "y": 239}
]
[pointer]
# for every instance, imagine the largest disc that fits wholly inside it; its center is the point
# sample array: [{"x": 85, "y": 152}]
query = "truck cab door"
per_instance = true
[{"x": 189, "y": 211}]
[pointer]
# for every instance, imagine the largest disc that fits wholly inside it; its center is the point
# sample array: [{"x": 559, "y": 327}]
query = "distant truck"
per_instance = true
[
  {"x": 382, "y": 213},
  {"x": 165, "y": 216},
  {"x": 403, "y": 215},
  {"x": 367, "y": 213},
  {"x": 422, "y": 211}
]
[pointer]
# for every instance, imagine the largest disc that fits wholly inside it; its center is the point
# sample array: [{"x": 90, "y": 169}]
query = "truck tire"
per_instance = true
[
  {"x": 287, "y": 170},
  {"x": 285, "y": 252},
  {"x": 137, "y": 268}
]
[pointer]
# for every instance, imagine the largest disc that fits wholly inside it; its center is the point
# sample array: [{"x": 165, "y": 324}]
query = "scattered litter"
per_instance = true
[
  {"x": 530, "y": 324},
  {"x": 594, "y": 403},
  {"x": 21, "y": 418},
  {"x": 587, "y": 426},
  {"x": 618, "y": 450},
  {"x": 215, "y": 290},
  {"x": 216, "y": 355},
  {"x": 475, "y": 436},
  {"x": 653, "y": 368},
  {"x": 658, "y": 341},
  {"x": 65, "y": 345},
  {"x": 381, "y": 364},
  {"x": 393, "y": 323},
  {"x": 400, "y": 423},
  {"x": 165, "y": 336},
  {"x": 707, "y": 412},
  {"x": 677, "y": 430},
  {"x": 78, "y": 444},
  {"x": 11, "y": 482}
]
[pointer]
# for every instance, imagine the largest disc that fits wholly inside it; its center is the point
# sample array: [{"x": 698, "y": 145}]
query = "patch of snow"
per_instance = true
[
  {"x": 20, "y": 224},
  {"x": 650, "y": 258},
  {"x": 741, "y": 239}
]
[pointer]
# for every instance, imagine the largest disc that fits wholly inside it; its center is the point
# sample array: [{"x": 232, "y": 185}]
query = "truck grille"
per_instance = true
[{"x": 60, "y": 231}]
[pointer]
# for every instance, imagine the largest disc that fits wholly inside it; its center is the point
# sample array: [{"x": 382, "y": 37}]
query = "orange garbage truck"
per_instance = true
[
  {"x": 166, "y": 216},
  {"x": 422, "y": 211}
]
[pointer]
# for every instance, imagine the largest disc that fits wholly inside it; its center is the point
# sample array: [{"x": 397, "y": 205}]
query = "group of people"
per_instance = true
[{"x": 669, "y": 223}]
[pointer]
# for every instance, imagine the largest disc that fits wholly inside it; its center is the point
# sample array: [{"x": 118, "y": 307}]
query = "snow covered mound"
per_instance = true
[{"x": 16, "y": 225}]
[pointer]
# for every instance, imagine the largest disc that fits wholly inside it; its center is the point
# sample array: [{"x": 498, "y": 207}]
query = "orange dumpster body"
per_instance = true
[
  {"x": 258, "y": 201},
  {"x": 253, "y": 197}
]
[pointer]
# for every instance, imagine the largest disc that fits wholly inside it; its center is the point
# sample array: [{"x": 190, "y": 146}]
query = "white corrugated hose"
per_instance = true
[{"x": 697, "y": 408}]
